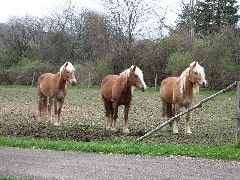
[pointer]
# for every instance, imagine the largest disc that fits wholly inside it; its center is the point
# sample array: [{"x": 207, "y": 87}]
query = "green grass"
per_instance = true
[
  {"x": 211, "y": 92},
  {"x": 227, "y": 152},
  {"x": 149, "y": 89}
]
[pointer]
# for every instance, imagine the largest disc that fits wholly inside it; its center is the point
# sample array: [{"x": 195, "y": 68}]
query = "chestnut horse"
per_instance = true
[
  {"x": 180, "y": 92},
  {"x": 118, "y": 90},
  {"x": 53, "y": 87}
]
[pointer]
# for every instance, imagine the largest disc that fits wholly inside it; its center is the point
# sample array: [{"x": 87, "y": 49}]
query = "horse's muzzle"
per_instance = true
[
  {"x": 142, "y": 88},
  {"x": 73, "y": 82},
  {"x": 204, "y": 84}
]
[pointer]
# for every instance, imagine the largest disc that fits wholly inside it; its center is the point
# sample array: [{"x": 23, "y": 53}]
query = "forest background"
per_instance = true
[{"x": 101, "y": 43}]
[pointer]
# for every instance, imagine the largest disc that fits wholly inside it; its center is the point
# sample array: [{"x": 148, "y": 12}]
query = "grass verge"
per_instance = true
[{"x": 227, "y": 152}]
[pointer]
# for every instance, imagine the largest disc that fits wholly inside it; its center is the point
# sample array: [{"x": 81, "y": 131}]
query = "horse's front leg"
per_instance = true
[
  {"x": 187, "y": 128},
  {"x": 55, "y": 112},
  {"x": 126, "y": 110},
  {"x": 115, "y": 116},
  {"x": 59, "y": 110},
  {"x": 175, "y": 124}
]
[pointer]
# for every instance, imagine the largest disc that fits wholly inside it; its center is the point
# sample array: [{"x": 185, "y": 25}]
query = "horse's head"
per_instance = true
[
  {"x": 197, "y": 74},
  {"x": 136, "y": 77},
  {"x": 67, "y": 72}
]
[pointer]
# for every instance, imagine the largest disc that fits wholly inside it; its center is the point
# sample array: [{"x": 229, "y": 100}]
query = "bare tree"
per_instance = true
[
  {"x": 62, "y": 32},
  {"x": 130, "y": 18},
  {"x": 18, "y": 36}
]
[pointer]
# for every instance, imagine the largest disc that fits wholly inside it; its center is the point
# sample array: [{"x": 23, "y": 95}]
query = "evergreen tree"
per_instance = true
[
  {"x": 213, "y": 15},
  {"x": 207, "y": 17},
  {"x": 185, "y": 20}
]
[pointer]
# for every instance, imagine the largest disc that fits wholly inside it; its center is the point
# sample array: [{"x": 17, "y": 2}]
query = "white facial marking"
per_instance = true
[
  {"x": 69, "y": 67},
  {"x": 198, "y": 69},
  {"x": 139, "y": 73}
]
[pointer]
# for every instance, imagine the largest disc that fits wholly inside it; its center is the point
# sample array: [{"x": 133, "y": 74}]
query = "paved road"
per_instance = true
[{"x": 47, "y": 164}]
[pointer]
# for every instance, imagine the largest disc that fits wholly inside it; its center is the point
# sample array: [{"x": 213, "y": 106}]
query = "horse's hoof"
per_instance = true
[
  {"x": 56, "y": 124},
  {"x": 113, "y": 129},
  {"x": 126, "y": 131},
  {"x": 189, "y": 133},
  {"x": 50, "y": 120},
  {"x": 175, "y": 132},
  {"x": 108, "y": 128},
  {"x": 44, "y": 119}
]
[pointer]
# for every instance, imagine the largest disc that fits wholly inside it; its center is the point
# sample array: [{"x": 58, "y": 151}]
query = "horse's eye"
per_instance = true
[
  {"x": 136, "y": 75},
  {"x": 68, "y": 71},
  {"x": 196, "y": 73}
]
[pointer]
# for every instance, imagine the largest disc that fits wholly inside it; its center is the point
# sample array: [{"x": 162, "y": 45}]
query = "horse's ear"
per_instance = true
[
  {"x": 201, "y": 64},
  {"x": 134, "y": 67},
  {"x": 193, "y": 65},
  {"x": 140, "y": 66},
  {"x": 66, "y": 64}
]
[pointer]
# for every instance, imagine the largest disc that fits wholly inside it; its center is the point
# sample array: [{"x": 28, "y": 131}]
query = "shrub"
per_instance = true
[
  {"x": 178, "y": 62},
  {"x": 221, "y": 58},
  {"x": 92, "y": 73}
]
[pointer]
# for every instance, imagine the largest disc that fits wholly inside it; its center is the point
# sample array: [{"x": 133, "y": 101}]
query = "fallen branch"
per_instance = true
[{"x": 188, "y": 110}]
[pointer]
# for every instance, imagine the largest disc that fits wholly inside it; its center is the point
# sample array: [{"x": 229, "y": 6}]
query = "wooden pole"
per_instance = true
[
  {"x": 89, "y": 79},
  {"x": 238, "y": 112},
  {"x": 156, "y": 82},
  {"x": 188, "y": 110},
  {"x": 33, "y": 78}
]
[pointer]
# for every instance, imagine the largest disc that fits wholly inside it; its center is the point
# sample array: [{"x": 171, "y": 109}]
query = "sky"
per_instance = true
[
  {"x": 41, "y": 8},
  {"x": 33, "y": 7},
  {"x": 44, "y": 7}
]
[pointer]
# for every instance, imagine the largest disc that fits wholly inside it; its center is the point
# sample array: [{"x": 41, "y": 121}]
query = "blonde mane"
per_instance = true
[
  {"x": 185, "y": 76},
  {"x": 69, "y": 67},
  {"x": 125, "y": 74}
]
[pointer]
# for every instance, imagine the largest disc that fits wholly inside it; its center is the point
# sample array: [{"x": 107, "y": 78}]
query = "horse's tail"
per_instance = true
[
  {"x": 167, "y": 110},
  {"x": 108, "y": 106}
]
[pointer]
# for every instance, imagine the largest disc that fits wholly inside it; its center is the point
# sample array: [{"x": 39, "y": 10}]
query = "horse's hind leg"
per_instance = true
[
  {"x": 109, "y": 112},
  {"x": 170, "y": 113},
  {"x": 50, "y": 109},
  {"x": 126, "y": 110},
  {"x": 40, "y": 106},
  {"x": 166, "y": 111},
  {"x": 115, "y": 116},
  {"x": 109, "y": 115},
  {"x": 44, "y": 108}
]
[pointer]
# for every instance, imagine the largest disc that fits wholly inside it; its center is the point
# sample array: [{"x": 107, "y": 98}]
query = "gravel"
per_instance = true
[{"x": 47, "y": 164}]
